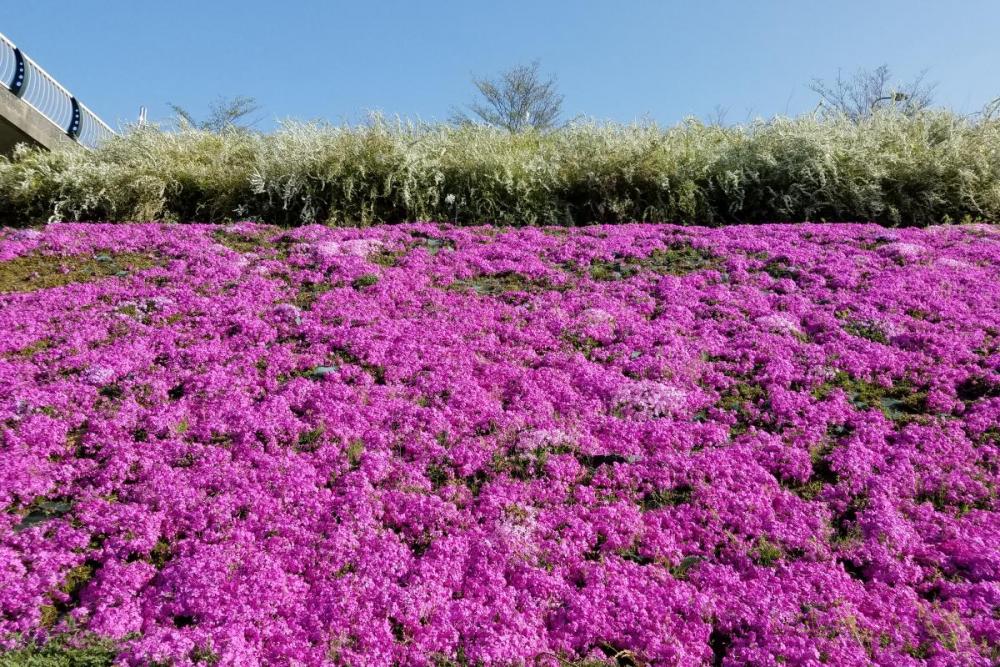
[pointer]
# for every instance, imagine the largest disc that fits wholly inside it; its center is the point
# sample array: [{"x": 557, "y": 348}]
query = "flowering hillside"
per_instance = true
[{"x": 425, "y": 445}]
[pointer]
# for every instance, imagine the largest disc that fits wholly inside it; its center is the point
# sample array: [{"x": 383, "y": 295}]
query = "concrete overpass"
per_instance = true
[{"x": 36, "y": 109}]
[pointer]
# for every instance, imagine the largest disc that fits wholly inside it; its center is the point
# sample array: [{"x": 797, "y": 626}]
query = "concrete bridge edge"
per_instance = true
[{"x": 20, "y": 122}]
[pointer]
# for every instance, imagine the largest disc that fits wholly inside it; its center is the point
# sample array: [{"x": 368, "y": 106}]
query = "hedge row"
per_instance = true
[{"x": 936, "y": 167}]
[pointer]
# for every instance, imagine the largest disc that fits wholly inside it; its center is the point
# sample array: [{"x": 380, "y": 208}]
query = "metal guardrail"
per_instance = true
[{"x": 28, "y": 81}]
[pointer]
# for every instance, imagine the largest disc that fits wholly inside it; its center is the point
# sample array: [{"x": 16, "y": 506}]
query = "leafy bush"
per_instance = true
[
  {"x": 66, "y": 650},
  {"x": 934, "y": 167}
]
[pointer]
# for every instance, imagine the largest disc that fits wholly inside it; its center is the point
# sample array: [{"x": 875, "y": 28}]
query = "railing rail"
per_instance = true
[{"x": 36, "y": 87}]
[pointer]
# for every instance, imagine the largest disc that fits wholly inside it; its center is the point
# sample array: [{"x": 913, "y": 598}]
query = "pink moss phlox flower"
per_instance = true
[{"x": 433, "y": 445}]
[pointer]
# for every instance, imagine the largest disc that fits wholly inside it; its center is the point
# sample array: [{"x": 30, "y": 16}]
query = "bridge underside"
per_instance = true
[{"x": 20, "y": 122}]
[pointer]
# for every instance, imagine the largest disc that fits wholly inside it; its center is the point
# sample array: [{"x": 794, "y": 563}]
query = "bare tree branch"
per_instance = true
[
  {"x": 516, "y": 100},
  {"x": 224, "y": 114},
  {"x": 867, "y": 91}
]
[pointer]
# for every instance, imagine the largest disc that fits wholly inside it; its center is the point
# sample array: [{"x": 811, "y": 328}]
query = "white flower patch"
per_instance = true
[
  {"x": 160, "y": 302},
  {"x": 779, "y": 323},
  {"x": 352, "y": 248},
  {"x": 517, "y": 532},
  {"x": 651, "y": 398},
  {"x": 545, "y": 438},
  {"x": 953, "y": 263},
  {"x": 902, "y": 250},
  {"x": 98, "y": 375},
  {"x": 27, "y": 235},
  {"x": 596, "y": 316},
  {"x": 289, "y": 312},
  {"x": 240, "y": 228}
]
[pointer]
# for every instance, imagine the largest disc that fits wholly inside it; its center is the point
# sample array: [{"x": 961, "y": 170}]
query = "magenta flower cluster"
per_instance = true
[{"x": 429, "y": 445}]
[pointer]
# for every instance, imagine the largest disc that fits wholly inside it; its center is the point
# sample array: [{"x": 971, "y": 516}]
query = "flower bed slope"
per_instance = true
[{"x": 426, "y": 445}]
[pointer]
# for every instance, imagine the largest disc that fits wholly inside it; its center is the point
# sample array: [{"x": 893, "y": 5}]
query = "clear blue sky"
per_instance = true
[{"x": 620, "y": 60}]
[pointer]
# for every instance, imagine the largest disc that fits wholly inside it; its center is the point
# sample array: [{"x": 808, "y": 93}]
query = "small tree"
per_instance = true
[
  {"x": 224, "y": 114},
  {"x": 867, "y": 91},
  {"x": 516, "y": 100}
]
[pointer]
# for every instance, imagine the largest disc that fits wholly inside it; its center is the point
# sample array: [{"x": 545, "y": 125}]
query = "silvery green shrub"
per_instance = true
[{"x": 896, "y": 170}]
